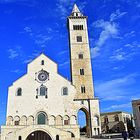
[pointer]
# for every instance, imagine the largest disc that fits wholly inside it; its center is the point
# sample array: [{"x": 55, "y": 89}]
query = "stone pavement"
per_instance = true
[
  {"x": 84, "y": 138},
  {"x": 106, "y": 139}
]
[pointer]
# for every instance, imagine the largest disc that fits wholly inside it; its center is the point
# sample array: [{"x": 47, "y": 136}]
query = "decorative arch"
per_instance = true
[
  {"x": 52, "y": 120},
  {"x": 66, "y": 120},
  {"x": 9, "y": 120},
  {"x": 30, "y": 120},
  {"x": 59, "y": 120},
  {"x": 73, "y": 120},
  {"x": 23, "y": 120},
  {"x": 16, "y": 120}
]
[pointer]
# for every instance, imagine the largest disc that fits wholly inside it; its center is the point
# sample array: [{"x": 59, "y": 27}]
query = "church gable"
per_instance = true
[{"x": 42, "y": 62}]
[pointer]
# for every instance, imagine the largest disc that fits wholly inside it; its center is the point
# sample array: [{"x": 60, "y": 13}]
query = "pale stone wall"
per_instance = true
[
  {"x": 76, "y": 63},
  {"x": 57, "y": 107},
  {"x": 13, "y": 132}
]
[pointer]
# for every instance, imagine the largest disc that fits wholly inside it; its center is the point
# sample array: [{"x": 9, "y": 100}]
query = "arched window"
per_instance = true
[
  {"x": 41, "y": 118},
  {"x": 57, "y": 137},
  {"x": 42, "y": 62},
  {"x": 19, "y": 92},
  {"x": 80, "y": 56},
  {"x": 116, "y": 118},
  {"x": 96, "y": 120},
  {"x": 65, "y": 91},
  {"x": 19, "y": 138},
  {"x": 43, "y": 91},
  {"x": 106, "y": 119},
  {"x": 83, "y": 89}
]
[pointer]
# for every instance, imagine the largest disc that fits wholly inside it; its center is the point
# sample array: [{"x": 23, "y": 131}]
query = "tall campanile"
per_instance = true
[{"x": 81, "y": 71}]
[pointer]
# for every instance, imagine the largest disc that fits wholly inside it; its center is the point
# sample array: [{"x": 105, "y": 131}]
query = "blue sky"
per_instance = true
[{"x": 29, "y": 27}]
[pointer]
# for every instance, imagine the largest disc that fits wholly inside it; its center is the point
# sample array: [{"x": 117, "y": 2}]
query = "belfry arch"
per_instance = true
[
  {"x": 38, "y": 135},
  {"x": 87, "y": 117}
]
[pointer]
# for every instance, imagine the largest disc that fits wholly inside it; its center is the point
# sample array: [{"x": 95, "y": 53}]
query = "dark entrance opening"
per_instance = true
[
  {"x": 38, "y": 135},
  {"x": 83, "y": 121}
]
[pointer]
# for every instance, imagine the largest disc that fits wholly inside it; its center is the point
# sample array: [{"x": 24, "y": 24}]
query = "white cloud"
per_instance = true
[
  {"x": 62, "y": 52},
  {"x": 28, "y": 29},
  {"x": 118, "y": 107},
  {"x": 31, "y": 57},
  {"x": 16, "y": 71},
  {"x": 42, "y": 39},
  {"x": 117, "y": 14},
  {"x": 119, "y": 56},
  {"x": 115, "y": 89},
  {"x": 126, "y": 53},
  {"x": 109, "y": 30},
  {"x": 13, "y": 53},
  {"x": 130, "y": 34},
  {"x": 65, "y": 64}
]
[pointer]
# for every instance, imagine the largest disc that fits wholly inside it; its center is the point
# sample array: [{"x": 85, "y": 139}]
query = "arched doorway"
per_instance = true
[
  {"x": 38, "y": 135},
  {"x": 84, "y": 122}
]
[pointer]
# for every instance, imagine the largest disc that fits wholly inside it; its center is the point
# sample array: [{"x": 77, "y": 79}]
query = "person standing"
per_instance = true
[
  {"x": 124, "y": 134},
  {"x": 131, "y": 135}
]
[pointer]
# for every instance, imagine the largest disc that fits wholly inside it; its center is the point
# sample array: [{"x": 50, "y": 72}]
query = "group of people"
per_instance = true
[{"x": 130, "y": 134}]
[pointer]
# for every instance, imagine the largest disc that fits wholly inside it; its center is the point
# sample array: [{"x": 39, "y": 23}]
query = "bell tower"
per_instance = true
[{"x": 81, "y": 71}]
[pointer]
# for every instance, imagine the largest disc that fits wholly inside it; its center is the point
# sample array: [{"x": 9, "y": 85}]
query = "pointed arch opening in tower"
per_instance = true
[{"x": 83, "y": 122}]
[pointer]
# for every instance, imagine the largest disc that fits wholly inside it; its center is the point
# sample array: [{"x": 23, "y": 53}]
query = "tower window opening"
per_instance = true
[
  {"x": 82, "y": 72},
  {"x": 83, "y": 89},
  {"x": 80, "y": 56},
  {"x": 79, "y": 38},
  {"x": 78, "y": 27},
  {"x": 42, "y": 62}
]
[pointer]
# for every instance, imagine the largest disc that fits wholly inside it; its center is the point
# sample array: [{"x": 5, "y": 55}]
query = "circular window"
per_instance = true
[{"x": 43, "y": 76}]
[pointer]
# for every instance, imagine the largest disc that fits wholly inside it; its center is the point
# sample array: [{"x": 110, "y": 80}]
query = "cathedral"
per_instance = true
[{"x": 43, "y": 105}]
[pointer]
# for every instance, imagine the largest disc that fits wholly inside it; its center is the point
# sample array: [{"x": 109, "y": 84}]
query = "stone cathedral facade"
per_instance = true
[{"x": 43, "y": 105}]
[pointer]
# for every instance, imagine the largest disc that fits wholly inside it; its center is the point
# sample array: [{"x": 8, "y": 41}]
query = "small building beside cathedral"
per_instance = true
[
  {"x": 43, "y": 105},
  {"x": 136, "y": 113},
  {"x": 116, "y": 122}
]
